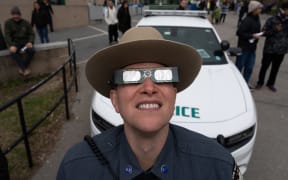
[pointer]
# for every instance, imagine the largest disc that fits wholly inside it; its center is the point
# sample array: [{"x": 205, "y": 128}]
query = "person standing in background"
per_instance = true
[
  {"x": 110, "y": 15},
  {"x": 19, "y": 38},
  {"x": 182, "y": 5},
  {"x": 248, "y": 35},
  {"x": 202, "y": 5},
  {"x": 211, "y": 6},
  {"x": 243, "y": 11},
  {"x": 124, "y": 17},
  {"x": 224, "y": 10},
  {"x": 39, "y": 18},
  {"x": 275, "y": 47},
  {"x": 46, "y": 6}
]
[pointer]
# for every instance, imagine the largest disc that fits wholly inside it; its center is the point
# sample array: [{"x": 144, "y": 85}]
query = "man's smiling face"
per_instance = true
[{"x": 145, "y": 107}]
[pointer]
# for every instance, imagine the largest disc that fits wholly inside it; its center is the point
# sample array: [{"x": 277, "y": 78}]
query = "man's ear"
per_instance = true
[{"x": 114, "y": 99}]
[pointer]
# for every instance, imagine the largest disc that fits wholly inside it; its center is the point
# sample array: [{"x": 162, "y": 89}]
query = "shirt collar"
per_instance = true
[{"x": 163, "y": 168}]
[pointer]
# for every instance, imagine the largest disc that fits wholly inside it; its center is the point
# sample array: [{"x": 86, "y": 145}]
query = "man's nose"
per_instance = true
[{"x": 149, "y": 87}]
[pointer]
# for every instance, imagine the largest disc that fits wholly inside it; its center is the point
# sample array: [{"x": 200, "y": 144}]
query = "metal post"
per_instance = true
[
  {"x": 24, "y": 132},
  {"x": 70, "y": 51},
  {"x": 75, "y": 70},
  {"x": 69, "y": 46},
  {"x": 65, "y": 93}
]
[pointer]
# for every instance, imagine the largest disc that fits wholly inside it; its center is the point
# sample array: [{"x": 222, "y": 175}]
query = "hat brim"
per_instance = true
[{"x": 102, "y": 65}]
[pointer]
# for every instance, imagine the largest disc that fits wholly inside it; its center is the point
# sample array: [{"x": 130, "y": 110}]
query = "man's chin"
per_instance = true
[
  {"x": 151, "y": 129},
  {"x": 16, "y": 20}
]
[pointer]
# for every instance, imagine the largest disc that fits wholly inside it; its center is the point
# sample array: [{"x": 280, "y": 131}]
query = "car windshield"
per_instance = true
[{"x": 203, "y": 40}]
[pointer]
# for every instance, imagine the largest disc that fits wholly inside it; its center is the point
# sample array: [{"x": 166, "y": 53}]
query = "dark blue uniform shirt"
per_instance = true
[{"x": 186, "y": 155}]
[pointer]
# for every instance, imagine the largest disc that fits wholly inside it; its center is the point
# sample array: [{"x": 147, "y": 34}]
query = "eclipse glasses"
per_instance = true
[{"x": 136, "y": 76}]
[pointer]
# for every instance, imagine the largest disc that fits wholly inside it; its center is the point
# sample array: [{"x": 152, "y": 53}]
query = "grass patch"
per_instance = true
[
  {"x": 35, "y": 106},
  {"x": 10, "y": 89}
]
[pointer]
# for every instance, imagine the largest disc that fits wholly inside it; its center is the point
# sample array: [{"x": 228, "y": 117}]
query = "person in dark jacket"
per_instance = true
[
  {"x": 243, "y": 11},
  {"x": 202, "y": 5},
  {"x": 46, "y": 6},
  {"x": 248, "y": 34},
  {"x": 39, "y": 18},
  {"x": 275, "y": 47},
  {"x": 211, "y": 7},
  {"x": 19, "y": 38},
  {"x": 142, "y": 88},
  {"x": 124, "y": 18}
]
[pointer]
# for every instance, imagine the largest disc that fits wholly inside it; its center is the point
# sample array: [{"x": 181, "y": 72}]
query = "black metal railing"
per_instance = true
[{"x": 71, "y": 61}]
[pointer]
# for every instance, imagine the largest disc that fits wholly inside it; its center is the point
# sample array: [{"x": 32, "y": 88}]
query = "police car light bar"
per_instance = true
[{"x": 194, "y": 13}]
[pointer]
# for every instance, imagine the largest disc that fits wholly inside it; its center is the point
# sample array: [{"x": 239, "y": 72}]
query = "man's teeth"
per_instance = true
[{"x": 148, "y": 106}]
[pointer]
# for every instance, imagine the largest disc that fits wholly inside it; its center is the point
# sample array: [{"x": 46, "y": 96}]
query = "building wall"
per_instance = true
[
  {"x": 76, "y": 2},
  {"x": 70, "y": 16},
  {"x": 96, "y": 2},
  {"x": 15, "y": 2},
  {"x": 73, "y": 14}
]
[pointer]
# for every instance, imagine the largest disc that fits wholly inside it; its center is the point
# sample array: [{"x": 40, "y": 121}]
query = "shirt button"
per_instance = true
[
  {"x": 164, "y": 169},
  {"x": 129, "y": 169}
]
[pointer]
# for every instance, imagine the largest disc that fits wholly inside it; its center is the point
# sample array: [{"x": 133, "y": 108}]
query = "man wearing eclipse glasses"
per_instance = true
[{"x": 142, "y": 75}]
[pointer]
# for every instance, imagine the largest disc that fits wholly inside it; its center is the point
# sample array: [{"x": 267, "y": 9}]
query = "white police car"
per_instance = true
[{"x": 218, "y": 104}]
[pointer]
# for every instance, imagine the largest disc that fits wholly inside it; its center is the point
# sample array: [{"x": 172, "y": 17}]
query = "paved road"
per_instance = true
[{"x": 269, "y": 160}]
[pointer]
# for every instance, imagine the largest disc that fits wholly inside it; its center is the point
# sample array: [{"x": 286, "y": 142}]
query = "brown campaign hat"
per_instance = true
[{"x": 142, "y": 45}]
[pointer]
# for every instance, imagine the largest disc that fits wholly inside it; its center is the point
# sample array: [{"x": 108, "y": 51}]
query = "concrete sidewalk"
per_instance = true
[{"x": 72, "y": 131}]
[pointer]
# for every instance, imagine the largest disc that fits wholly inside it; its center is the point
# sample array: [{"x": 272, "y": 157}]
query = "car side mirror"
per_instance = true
[
  {"x": 233, "y": 51},
  {"x": 225, "y": 45}
]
